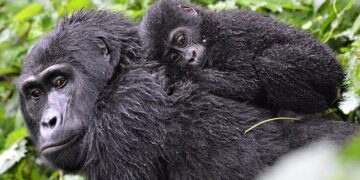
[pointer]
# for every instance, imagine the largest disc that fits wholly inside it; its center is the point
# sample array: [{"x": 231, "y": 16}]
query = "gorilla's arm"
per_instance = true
[{"x": 242, "y": 85}]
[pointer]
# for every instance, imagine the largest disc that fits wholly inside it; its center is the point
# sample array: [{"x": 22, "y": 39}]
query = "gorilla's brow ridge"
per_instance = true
[{"x": 26, "y": 79}]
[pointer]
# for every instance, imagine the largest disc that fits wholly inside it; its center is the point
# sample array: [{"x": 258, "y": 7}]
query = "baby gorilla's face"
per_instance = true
[{"x": 184, "y": 48}]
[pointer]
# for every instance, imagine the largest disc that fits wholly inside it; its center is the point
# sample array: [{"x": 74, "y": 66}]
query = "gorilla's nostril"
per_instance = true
[
  {"x": 194, "y": 53},
  {"x": 52, "y": 122},
  {"x": 44, "y": 124},
  {"x": 191, "y": 60}
]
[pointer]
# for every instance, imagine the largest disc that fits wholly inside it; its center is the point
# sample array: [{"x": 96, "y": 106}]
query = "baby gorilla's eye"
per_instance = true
[
  {"x": 174, "y": 56},
  {"x": 59, "y": 82},
  {"x": 181, "y": 40},
  {"x": 36, "y": 94}
]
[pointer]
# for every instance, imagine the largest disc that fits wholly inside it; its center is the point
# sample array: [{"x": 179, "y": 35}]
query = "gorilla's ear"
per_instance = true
[
  {"x": 189, "y": 10},
  {"x": 104, "y": 46}
]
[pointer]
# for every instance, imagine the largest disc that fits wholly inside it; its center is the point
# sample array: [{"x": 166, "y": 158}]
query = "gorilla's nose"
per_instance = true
[
  {"x": 49, "y": 122},
  {"x": 191, "y": 57}
]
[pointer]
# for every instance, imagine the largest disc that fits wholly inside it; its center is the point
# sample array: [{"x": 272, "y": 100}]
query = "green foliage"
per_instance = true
[
  {"x": 334, "y": 22},
  {"x": 351, "y": 152}
]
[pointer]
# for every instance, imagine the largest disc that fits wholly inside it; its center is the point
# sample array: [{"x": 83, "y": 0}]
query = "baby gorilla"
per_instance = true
[{"x": 242, "y": 55}]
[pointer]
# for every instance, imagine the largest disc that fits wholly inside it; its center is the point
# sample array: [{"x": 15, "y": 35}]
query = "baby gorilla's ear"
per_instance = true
[{"x": 189, "y": 10}]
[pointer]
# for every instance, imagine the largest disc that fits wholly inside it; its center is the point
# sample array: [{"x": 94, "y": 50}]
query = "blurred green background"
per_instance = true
[{"x": 22, "y": 22}]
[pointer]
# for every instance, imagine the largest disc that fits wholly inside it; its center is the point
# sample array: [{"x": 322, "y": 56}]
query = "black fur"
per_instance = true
[
  {"x": 133, "y": 130},
  {"x": 249, "y": 56}
]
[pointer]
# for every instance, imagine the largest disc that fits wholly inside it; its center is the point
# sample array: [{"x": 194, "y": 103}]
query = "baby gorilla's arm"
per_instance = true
[{"x": 242, "y": 85}]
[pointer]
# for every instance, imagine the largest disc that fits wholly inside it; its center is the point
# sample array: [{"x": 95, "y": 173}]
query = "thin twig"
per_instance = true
[{"x": 269, "y": 120}]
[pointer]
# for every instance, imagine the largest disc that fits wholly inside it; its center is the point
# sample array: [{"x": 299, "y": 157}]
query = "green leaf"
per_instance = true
[
  {"x": 12, "y": 155},
  {"x": 78, "y": 4},
  {"x": 20, "y": 168},
  {"x": 28, "y": 12},
  {"x": 15, "y": 136},
  {"x": 351, "y": 152},
  {"x": 317, "y": 4},
  {"x": 35, "y": 174},
  {"x": 9, "y": 70},
  {"x": 356, "y": 25},
  {"x": 273, "y": 5},
  {"x": 306, "y": 25}
]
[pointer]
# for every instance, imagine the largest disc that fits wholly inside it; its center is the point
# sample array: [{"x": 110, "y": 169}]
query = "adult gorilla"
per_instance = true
[{"x": 91, "y": 105}]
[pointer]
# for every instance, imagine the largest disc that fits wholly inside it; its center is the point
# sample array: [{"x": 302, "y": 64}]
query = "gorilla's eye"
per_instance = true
[
  {"x": 59, "y": 82},
  {"x": 36, "y": 94},
  {"x": 181, "y": 40},
  {"x": 174, "y": 56}
]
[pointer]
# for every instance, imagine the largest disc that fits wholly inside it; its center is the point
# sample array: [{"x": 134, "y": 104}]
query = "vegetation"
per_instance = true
[{"x": 22, "y": 22}]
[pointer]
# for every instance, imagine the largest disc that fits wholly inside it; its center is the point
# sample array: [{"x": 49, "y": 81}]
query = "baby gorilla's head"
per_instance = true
[
  {"x": 171, "y": 34},
  {"x": 183, "y": 47}
]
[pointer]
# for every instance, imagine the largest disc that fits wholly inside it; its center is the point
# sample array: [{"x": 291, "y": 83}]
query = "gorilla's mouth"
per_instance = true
[{"x": 58, "y": 146}]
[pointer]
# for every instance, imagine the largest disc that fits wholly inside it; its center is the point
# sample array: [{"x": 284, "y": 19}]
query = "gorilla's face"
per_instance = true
[
  {"x": 58, "y": 125},
  {"x": 184, "y": 48},
  {"x": 59, "y": 87}
]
